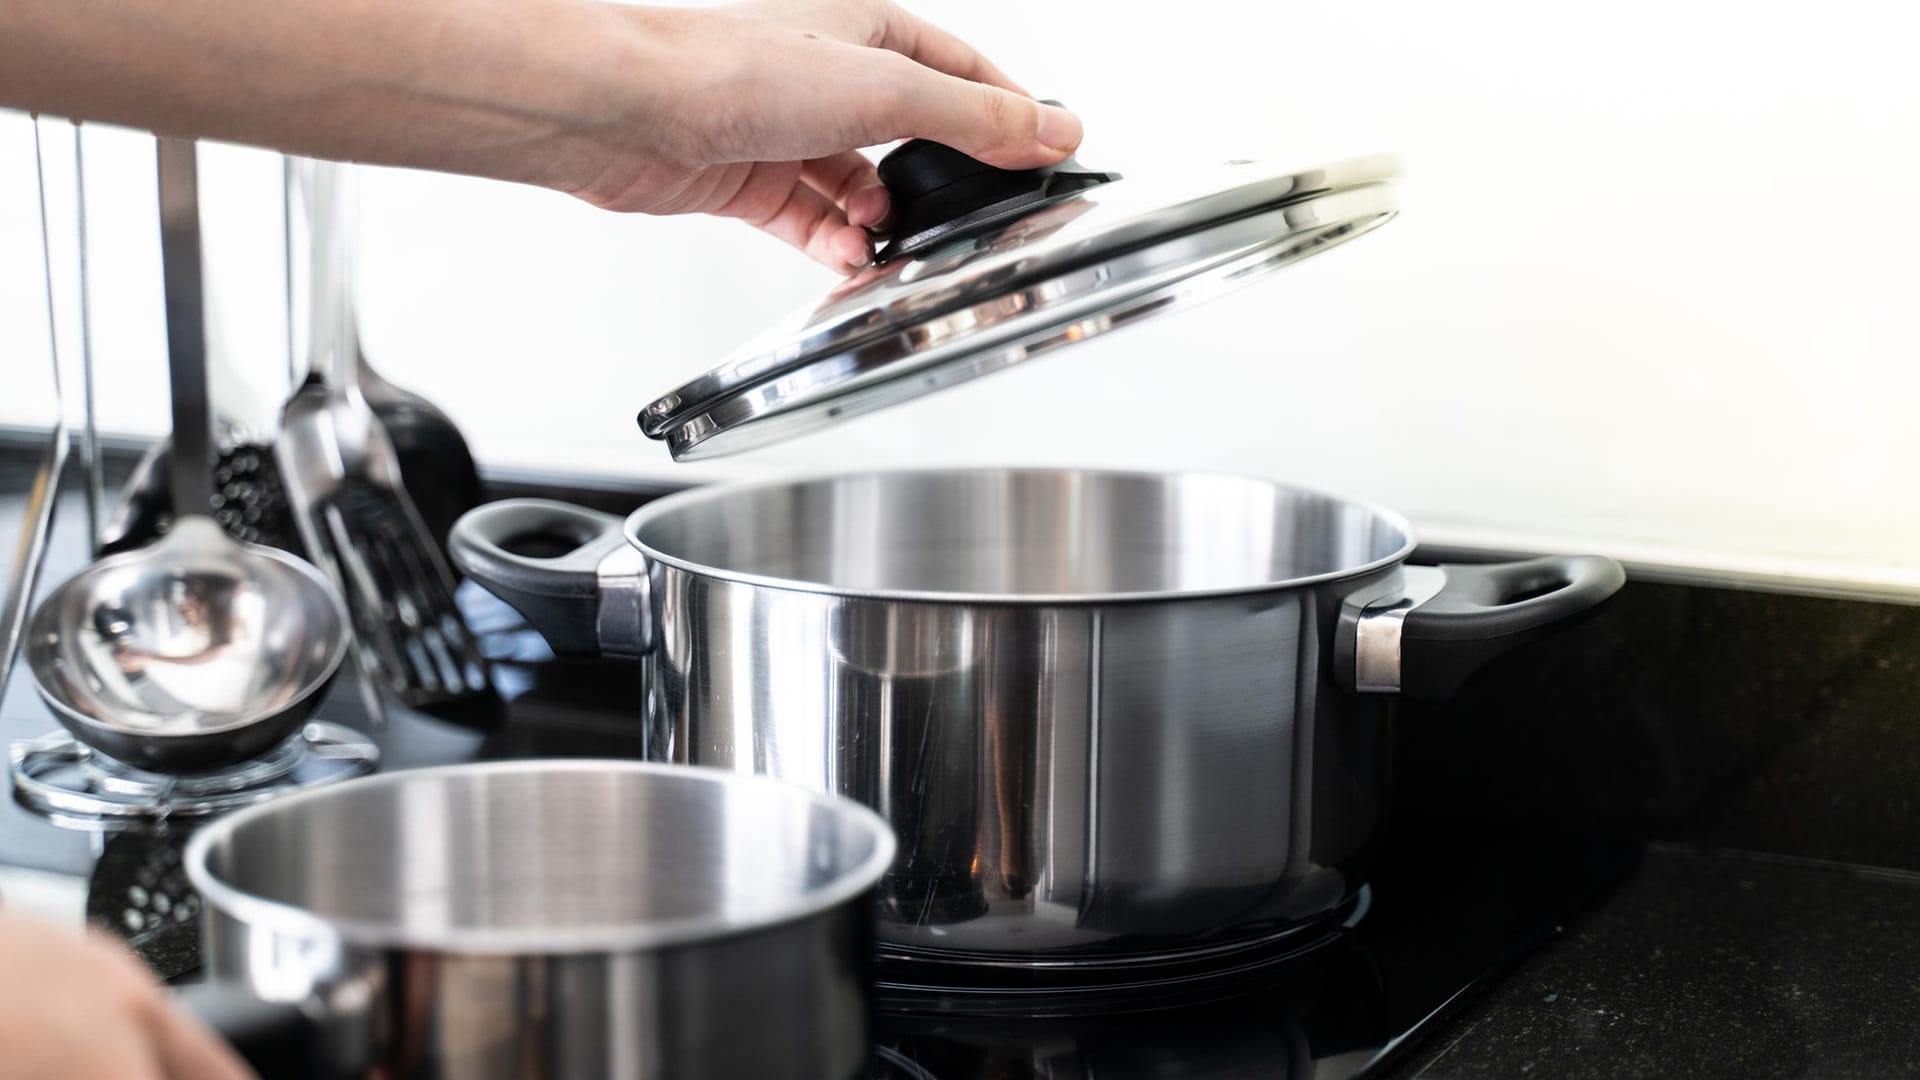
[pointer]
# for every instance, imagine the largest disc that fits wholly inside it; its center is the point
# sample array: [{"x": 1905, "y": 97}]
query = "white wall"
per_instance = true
[
  {"x": 27, "y": 390},
  {"x": 1652, "y": 293}
]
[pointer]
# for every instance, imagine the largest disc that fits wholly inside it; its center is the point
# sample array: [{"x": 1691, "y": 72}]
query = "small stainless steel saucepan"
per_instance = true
[{"x": 547, "y": 919}]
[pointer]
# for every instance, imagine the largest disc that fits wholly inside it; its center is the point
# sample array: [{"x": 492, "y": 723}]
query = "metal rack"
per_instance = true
[{"x": 30, "y": 548}]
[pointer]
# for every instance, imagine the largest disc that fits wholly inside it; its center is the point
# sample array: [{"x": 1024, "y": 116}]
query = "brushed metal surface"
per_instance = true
[
  {"x": 1022, "y": 536},
  {"x": 1095, "y": 706},
  {"x": 30, "y": 549},
  {"x": 555, "y": 918},
  {"x": 1377, "y": 634},
  {"x": 183, "y": 284}
]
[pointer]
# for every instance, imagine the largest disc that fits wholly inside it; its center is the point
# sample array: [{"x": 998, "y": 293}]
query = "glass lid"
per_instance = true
[{"x": 987, "y": 268}]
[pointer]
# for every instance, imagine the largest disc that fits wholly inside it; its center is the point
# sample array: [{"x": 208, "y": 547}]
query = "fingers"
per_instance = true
[
  {"x": 180, "y": 1046},
  {"x": 925, "y": 43},
  {"x": 850, "y": 182},
  {"x": 997, "y": 126},
  {"x": 188, "y": 1050},
  {"x": 774, "y": 198},
  {"x": 815, "y": 226},
  {"x": 112, "y": 1050}
]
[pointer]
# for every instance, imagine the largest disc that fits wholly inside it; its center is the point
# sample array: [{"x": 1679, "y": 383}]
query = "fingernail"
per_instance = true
[
  {"x": 1059, "y": 129},
  {"x": 860, "y": 261}
]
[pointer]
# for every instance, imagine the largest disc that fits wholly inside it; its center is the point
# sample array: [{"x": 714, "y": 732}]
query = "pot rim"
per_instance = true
[
  {"x": 713, "y": 492},
  {"x": 257, "y": 912}
]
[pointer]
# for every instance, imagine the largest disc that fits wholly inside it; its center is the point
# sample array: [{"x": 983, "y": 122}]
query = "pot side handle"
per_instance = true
[
  {"x": 1454, "y": 618},
  {"x": 569, "y": 570}
]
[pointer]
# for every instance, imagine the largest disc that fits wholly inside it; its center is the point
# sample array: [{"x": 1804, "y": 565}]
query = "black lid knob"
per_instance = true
[
  {"x": 940, "y": 194},
  {"x": 918, "y": 168}
]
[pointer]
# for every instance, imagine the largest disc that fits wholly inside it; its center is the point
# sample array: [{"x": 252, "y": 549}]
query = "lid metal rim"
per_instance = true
[
  {"x": 748, "y": 419},
  {"x": 701, "y": 393},
  {"x": 689, "y": 401},
  {"x": 713, "y": 492}
]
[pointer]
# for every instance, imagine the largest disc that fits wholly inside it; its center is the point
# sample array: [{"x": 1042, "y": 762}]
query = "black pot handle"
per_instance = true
[
  {"x": 568, "y": 569},
  {"x": 278, "y": 1041},
  {"x": 1428, "y": 647}
]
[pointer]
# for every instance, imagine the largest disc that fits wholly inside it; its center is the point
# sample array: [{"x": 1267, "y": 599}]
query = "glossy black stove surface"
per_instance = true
[
  {"x": 1512, "y": 930},
  {"x": 1452, "y": 908}
]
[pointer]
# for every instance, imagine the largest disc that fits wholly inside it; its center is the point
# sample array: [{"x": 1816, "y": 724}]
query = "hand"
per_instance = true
[
  {"x": 754, "y": 112},
  {"x": 766, "y": 103},
  {"x": 76, "y": 1007}
]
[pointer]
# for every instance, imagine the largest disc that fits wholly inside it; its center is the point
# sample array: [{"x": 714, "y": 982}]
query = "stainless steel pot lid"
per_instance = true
[{"x": 987, "y": 268}]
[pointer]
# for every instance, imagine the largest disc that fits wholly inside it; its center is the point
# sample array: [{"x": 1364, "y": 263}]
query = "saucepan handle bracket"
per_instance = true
[
  {"x": 569, "y": 570},
  {"x": 1427, "y": 637}
]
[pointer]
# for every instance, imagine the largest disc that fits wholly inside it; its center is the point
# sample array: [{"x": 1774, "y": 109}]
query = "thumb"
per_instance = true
[{"x": 998, "y": 126}]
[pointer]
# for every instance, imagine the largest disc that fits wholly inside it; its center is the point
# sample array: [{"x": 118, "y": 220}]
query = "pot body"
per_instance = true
[
  {"x": 1070, "y": 782},
  {"x": 1098, "y": 708},
  {"x": 1114, "y": 718},
  {"x": 637, "y": 1014},
  {"x": 548, "y": 919}
]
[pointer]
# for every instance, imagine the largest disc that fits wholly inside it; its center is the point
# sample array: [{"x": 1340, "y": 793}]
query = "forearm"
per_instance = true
[
  {"x": 491, "y": 87},
  {"x": 757, "y": 111}
]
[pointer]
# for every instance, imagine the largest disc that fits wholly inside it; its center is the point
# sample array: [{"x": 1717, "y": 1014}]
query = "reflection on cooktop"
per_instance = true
[{"x": 1451, "y": 910}]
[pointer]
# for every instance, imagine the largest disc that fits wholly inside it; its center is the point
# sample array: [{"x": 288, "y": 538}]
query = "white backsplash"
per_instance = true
[{"x": 1653, "y": 292}]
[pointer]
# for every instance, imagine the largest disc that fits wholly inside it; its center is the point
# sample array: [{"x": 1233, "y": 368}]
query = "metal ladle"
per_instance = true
[
  {"x": 189, "y": 655},
  {"x": 196, "y": 652}
]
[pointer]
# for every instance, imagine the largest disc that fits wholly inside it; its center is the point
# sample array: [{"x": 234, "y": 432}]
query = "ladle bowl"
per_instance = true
[{"x": 190, "y": 655}]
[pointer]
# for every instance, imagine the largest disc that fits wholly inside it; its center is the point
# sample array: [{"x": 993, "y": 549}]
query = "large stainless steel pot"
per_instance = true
[
  {"x": 548, "y": 919},
  {"x": 1114, "y": 718}
]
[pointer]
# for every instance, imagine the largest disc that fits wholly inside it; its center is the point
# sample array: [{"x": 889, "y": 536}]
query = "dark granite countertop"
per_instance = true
[
  {"x": 1706, "y": 964},
  {"x": 1767, "y": 746}
]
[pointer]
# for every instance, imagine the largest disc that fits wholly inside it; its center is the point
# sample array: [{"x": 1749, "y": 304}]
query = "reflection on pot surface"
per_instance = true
[
  {"x": 552, "y": 917},
  {"x": 1059, "y": 775},
  {"x": 1114, "y": 718},
  {"x": 1320, "y": 1012}
]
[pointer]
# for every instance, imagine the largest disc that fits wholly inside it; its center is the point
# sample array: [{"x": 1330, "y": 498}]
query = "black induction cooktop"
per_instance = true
[
  {"x": 1764, "y": 741},
  {"x": 1455, "y": 904}
]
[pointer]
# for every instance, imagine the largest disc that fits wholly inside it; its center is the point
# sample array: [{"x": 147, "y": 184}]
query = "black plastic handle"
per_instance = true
[
  {"x": 940, "y": 194},
  {"x": 543, "y": 558},
  {"x": 278, "y": 1041},
  {"x": 1486, "y": 610}
]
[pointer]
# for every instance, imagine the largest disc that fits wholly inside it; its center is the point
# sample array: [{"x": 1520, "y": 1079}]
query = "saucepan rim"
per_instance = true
[{"x": 258, "y": 912}]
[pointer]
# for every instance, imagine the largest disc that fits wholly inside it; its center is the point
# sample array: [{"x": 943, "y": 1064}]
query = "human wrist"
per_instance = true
[{"x": 601, "y": 81}]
